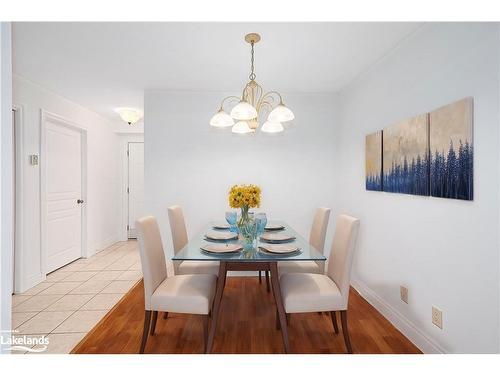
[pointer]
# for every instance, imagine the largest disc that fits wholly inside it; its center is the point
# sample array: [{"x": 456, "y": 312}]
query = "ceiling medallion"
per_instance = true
[{"x": 244, "y": 116}]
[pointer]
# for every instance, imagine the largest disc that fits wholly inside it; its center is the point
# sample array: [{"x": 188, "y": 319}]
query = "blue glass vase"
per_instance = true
[{"x": 248, "y": 229}]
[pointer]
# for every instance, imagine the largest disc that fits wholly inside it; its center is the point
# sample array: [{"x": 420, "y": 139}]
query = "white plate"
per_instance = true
[
  {"x": 222, "y": 248},
  {"x": 272, "y": 227},
  {"x": 279, "y": 249},
  {"x": 221, "y": 226},
  {"x": 276, "y": 237},
  {"x": 221, "y": 236}
]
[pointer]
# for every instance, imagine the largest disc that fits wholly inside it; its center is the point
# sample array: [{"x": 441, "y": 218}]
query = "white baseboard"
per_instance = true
[
  {"x": 103, "y": 245},
  {"x": 31, "y": 281},
  {"x": 413, "y": 333}
]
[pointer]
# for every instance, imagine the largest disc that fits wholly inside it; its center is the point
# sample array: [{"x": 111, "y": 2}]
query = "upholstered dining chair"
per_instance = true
[
  {"x": 188, "y": 294},
  {"x": 316, "y": 239},
  {"x": 312, "y": 292},
  {"x": 180, "y": 239}
]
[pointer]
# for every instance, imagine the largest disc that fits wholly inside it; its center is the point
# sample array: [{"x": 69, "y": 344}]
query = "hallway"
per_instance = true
[{"x": 71, "y": 301}]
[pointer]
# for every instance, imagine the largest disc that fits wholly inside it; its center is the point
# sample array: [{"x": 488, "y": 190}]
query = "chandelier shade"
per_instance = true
[
  {"x": 243, "y": 111},
  {"x": 272, "y": 127},
  {"x": 253, "y": 103},
  {"x": 241, "y": 127},
  {"x": 129, "y": 115},
  {"x": 281, "y": 114},
  {"x": 221, "y": 120}
]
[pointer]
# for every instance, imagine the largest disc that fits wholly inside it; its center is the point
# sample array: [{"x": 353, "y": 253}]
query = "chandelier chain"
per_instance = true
[{"x": 252, "y": 74}]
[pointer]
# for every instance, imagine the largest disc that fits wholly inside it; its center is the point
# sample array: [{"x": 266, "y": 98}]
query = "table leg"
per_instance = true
[
  {"x": 221, "y": 280},
  {"x": 279, "y": 304}
]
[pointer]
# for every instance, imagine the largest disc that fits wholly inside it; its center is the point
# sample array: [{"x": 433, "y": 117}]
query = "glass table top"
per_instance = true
[{"x": 192, "y": 251}]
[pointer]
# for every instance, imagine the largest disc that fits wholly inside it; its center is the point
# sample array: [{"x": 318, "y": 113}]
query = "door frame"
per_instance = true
[
  {"x": 128, "y": 186},
  {"x": 46, "y": 116},
  {"x": 19, "y": 193}
]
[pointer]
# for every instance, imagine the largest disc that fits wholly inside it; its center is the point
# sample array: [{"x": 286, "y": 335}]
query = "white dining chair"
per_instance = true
[
  {"x": 188, "y": 294},
  {"x": 180, "y": 239},
  {"x": 317, "y": 240},
  {"x": 312, "y": 292}
]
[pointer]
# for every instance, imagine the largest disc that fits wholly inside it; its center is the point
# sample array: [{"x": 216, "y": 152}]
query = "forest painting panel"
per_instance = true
[
  {"x": 452, "y": 152},
  {"x": 406, "y": 157},
  {"x": 373, "y": 161}
]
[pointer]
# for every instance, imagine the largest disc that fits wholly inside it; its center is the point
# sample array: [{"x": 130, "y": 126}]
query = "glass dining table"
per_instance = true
[{"x": 248, "y": 260}]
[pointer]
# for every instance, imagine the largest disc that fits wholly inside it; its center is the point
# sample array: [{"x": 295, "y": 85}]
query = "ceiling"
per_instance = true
[{"x": 107, "y": 65}]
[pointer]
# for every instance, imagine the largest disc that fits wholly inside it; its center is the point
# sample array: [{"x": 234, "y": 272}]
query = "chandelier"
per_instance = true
[{"x": 244, "y": 116}]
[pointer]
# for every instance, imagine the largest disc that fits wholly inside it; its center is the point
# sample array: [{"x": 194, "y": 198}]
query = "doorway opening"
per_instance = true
[{"x": 135, "y": 185}]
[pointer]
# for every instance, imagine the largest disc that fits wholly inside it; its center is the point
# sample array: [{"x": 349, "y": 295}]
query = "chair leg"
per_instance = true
[
  {"x": 277, "y": 320},
  {"x": 205, "y": 332},
  {"x": 260, "y": 277},
  {"x": 333, "y": 315},
  {"x": 343, "y": 318},
  {"x": 153, "y": 323},
  {"x": 165, "y": 315},
  {"x": 147, "y": 320},
  {"x": 268, "y": 286}
]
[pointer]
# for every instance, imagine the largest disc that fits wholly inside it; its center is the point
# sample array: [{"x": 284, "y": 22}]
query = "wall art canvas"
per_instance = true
[
  {"x": 406, "y": 157},
  {"x": 373, "y": 161},
  {"x": 452, "y": 151}
]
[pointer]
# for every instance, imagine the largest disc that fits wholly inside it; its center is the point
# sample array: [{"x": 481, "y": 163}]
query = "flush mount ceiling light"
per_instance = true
[
  {"x": 252, "y": 103},
  {"x": 129, "y": 115}
]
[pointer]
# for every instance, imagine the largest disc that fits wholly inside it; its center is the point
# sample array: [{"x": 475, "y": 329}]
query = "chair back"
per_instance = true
[
  {"x": 319, "y": 227},
  {"x": 177, "y": 227},
  {"x": 154, "y": 268},
  {"x": 343, "y": 246}
]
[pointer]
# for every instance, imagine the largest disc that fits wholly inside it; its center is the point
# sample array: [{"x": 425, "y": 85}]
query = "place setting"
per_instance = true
[
  {"x": 278, "y": 243},
  {"x": 221, "y": 248},
  {"x": 220, "y": 236}
]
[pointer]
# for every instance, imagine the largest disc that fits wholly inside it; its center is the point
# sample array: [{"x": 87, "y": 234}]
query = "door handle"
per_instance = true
[{"x": 80, "y": 201}]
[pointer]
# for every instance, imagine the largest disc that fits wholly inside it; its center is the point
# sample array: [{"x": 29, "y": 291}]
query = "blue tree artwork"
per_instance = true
[
  {"x": 430, "y": 154},
  {"x": 451, "y": 151},
  {"x": 406, "y": 157},
  {"x": 373, "y": 161}
]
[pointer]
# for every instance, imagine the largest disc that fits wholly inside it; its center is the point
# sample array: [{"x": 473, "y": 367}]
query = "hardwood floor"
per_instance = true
[{"x": 246, "y": 325}]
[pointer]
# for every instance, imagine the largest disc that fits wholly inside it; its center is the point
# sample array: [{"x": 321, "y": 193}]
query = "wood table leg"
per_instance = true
[
  {"x": 279, "y": 304},
  {"x": 221, "y": 280}
]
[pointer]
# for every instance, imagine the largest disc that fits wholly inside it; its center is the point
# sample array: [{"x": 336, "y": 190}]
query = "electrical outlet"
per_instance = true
[
  {"x": 437, "y": 317},
  {"x": 404, "y": 293}
]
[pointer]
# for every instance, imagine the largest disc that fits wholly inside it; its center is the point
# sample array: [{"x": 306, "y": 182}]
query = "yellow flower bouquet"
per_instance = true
[{"x": 244, "y": 196}]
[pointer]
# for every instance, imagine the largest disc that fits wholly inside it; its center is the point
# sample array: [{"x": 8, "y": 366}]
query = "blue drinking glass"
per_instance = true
[
  {"x": 231, "y": 218},
  {"x": 261, "y": 223}
]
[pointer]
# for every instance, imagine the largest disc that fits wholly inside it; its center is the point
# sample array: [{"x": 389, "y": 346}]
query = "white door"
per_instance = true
[
  {"x": 62, "y": 161},
  {"x": 135, "y": 185}
]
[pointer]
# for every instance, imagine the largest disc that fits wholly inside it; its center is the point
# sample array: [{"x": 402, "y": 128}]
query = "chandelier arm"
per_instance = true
[
  {"x": 269, "y": 94},
  {"x": 226, "y": 98}
]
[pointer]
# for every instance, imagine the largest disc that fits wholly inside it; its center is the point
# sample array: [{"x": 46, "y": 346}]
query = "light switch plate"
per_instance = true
[
  {"x": 404, "y": 293},
  {"x": 437, "y": 317},
  {"x": 34, "y": 159}
]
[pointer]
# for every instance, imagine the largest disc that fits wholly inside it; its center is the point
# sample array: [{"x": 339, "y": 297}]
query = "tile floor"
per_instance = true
[{"x": 71, "y": 301}]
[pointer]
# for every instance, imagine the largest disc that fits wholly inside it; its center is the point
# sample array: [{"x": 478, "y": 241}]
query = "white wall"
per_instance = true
[
  {"x": 191, "y": 164},
  {"x": 6, "y": 180},
  {"x": 445, "y": 251},
  {"x": 103, "y": 200}
]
